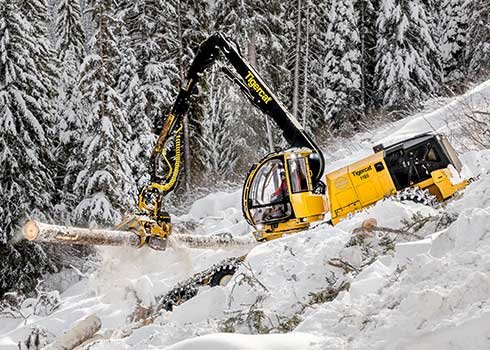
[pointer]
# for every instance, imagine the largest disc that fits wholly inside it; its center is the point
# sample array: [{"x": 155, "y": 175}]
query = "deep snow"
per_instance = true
[{"x": 431, "y": 292}]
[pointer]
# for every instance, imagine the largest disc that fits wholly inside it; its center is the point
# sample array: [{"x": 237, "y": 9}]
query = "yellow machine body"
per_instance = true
[
  {"x": 371, "y": 179},
  {"x": 358, "y": 185},
  {"x": 296, "y": 210},
  {"x": 440, "y": 184}
]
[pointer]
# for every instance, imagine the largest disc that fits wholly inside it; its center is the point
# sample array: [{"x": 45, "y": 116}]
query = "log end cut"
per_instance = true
[{"x": 31, "y": 230}]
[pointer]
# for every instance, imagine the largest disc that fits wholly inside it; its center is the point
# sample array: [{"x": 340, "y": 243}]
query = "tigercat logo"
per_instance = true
[
  {"x": 362, "y": 171},
  {"x": 252, "y": 83}
]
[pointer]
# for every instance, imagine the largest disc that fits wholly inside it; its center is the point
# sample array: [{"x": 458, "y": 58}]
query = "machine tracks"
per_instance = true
[{"x": 213, "y": 276}]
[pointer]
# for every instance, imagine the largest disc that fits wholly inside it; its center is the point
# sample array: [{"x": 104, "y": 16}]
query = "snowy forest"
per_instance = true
[{"x": 85, "y": 84}]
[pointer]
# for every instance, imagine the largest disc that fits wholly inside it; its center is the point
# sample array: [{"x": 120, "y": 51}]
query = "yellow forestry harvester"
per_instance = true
[{"x": 285, "y": 192}]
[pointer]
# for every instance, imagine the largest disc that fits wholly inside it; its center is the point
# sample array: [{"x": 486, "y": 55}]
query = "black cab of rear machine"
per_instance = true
[
  {"x": 421, "y": 162},
  {"x": 278, "y": 196}
]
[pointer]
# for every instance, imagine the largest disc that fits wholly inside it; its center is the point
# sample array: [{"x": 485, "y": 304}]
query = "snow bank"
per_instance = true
[
  {"x": 216, "y": 213},
  {"x": 224, "y": 341},
  {"x": 436, "y": 300}
]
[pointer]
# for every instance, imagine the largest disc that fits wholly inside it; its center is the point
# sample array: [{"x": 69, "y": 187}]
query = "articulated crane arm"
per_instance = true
[{"x": 166, "y": 160}]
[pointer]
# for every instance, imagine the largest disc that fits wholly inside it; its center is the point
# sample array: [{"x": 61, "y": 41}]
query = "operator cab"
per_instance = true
[{"x": 278, "y": 195}]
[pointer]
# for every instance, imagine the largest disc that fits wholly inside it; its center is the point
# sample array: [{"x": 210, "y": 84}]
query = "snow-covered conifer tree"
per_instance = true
[
  {"x": 192, "y": 27},
  {"x": 129, "y": 88},
  {"x": 405, "y": 55},
  {"x": 259, "y": 33},
  {"x": 342, "y": 71},
  {"x": 36, "y": 12},
  {"x": 304, "y": 24},
  {"x": 453, "y": 26},
  {"x": 219, "y": 145},
  {"x": 105, "y": 182},
  {"x": 150, "y": 26},
  {"x": 73, "y": 118},
  {"x": 69, "y": 32},
  {"x": 26, "y": 184},
  {"x": 478, "y": 48},
  {"x": 71, "y": 114},
  {"x": 314, "y": 49}
]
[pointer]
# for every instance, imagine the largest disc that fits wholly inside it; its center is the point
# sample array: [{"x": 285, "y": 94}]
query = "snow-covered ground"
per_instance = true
[{"x": 427, "y": 288}]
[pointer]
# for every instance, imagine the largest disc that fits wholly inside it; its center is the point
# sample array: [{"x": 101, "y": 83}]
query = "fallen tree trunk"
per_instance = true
[
  {"x": 81, "y": 332},
  {"x": 37, "y": 231}
]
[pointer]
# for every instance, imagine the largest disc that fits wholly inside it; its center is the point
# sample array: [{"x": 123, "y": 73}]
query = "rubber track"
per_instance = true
[{"x": 188, "y": 289}]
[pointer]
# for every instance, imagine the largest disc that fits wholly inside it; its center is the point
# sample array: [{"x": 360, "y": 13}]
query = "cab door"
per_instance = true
[{"x": 267, "y": 196}]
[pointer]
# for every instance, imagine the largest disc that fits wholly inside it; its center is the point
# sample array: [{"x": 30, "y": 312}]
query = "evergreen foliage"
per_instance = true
[
  {"x": 73, "y": 118},
  {"x": 313, "y": 88},
  {"x": 478, "y": 49},
  {"x": 105, "y": 183},
  {"x": 151, "y": 40},
  {"x": 26, "y": 187},
  {"x": 366, "y": 12},
  {"x": 69, "y": 32},
  {"x": 342, "y": 69},
  {"x": 453, "y": 38},
  {"x": 71, "y": 114},
  {"x": 405, "y": 54},
  {"x": 219, "y": 146}
]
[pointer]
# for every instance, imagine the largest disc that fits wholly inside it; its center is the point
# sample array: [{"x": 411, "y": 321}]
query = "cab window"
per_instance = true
[
  {"x": 268, "y": 181},
  {"x": 269, "y": 194},
  {"x": 298, "y": 175}
]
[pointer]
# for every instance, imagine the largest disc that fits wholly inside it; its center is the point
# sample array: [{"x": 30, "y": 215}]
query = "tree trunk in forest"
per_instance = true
[
  {"x": 296, "y": 63},
  {"x": 305, "y": 84}
]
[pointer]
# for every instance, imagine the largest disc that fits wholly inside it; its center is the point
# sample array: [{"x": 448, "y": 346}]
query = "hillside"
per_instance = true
[{"x": 425, "y": 287}]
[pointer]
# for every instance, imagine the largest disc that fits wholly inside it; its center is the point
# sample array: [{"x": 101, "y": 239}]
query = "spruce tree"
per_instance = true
[
  {"x": 71, "y": 114},
  {"x": 342, "y": 71},
  {"x": 69, "y": 32},
  {"x": 105, "y": 183},
  {"x": 453, "y": 26},
  {"x": 36, "y": 13},
  {"x": 314, "y": 51},
  {"x": 405, "y": 56},
  {"x": 26, "y": 184},
  {"x": 219, "y": 145},
  {"x": 73, "y": 118},
  {"x": 259, "y": 34},
  {"x": 150, "y": 26},
  {"x": 478, "y": 48},
  {"x": 26, "y": 181}
]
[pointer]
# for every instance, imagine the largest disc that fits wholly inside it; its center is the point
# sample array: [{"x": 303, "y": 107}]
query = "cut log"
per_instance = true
[
  {"x": 37, "y": 231},
  {"x": 41, "y": 232},
  {"x": 80, "y": 333}
]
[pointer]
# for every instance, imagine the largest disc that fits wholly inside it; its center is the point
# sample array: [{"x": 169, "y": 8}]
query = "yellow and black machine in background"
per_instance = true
[
  {"x": 419, "y": 162},
  {"x": 285, "y": 192}
]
